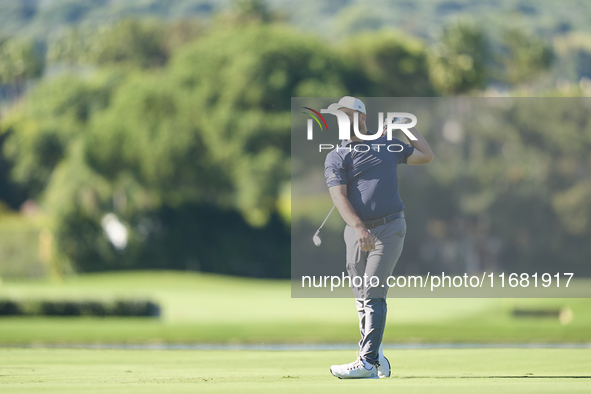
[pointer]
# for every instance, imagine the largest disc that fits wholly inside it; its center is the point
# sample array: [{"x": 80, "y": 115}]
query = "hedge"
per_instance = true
[{"x": 124, "y": 308}]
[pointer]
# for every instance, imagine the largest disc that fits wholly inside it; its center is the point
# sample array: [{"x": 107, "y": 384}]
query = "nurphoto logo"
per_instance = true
[{"x": 344, "y": 124}]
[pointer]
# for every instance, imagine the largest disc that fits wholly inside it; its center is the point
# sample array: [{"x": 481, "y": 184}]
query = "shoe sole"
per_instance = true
[
  {"x": 389, "y": 369},
  {"x": 369, "y": 377}
]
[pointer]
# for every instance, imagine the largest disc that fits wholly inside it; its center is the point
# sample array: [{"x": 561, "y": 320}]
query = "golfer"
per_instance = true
[{"x": 363, "y": 184}]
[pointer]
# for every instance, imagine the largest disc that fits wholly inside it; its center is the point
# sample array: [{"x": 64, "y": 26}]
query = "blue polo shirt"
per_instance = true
[{"x": 369, "y": 169}]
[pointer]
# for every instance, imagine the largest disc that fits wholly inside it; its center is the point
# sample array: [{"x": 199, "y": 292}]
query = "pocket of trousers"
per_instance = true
[{"x": 401, "y": 230}]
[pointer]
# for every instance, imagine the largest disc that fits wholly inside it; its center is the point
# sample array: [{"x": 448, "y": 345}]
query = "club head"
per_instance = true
[{"x": 316, "y": 239}]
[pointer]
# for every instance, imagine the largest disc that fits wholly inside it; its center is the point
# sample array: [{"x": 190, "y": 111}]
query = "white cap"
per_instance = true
[{"x": 349, "y": 102}]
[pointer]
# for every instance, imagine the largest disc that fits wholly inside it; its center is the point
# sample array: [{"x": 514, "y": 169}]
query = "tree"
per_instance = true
[
  {"x": 244, "y": 12},
  {"x": 525, "y": 57},
  {"x": 40, "y": 133},
  {"x": 210, "y": 132},
  {"x": 396, "y": 65},
  {"x": 134, "y": 42},
  {"x": 241, "y": 80},
  {"x": 458, "y": 61},
  {"x": 19, "y": 60},
  {"x": 146, "y": 135},
  {"x": 181, "y": 32},
  {"x": 130, "y": 42},
  {"x": 356, "y": 19}
]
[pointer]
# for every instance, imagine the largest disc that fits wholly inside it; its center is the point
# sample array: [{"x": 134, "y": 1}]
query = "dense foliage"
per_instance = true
[{"x": 181, "y": 129}]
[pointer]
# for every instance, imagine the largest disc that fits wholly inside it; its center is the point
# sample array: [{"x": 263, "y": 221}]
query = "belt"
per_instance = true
[{"x": 384, "y": 220}]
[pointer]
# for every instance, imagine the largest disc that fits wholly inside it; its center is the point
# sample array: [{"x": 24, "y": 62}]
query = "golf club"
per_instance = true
[{"x": 316, "y": 237}]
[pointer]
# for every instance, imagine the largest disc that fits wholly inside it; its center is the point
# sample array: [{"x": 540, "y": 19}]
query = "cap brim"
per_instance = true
[
  {"x": 334, "y": 106},
  {"x": 339, "y": 106}
]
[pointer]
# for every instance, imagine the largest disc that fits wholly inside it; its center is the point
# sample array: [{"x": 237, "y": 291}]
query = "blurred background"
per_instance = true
[{"x": 155, "y": 135}]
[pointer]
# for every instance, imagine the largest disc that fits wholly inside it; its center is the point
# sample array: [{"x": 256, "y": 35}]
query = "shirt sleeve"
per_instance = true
[{"x": 334, "y": 170}]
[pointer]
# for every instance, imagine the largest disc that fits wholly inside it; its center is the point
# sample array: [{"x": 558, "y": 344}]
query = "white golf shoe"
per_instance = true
[
  {"x": 384, "y": 366},
  {"x": 355, "y": 370}
]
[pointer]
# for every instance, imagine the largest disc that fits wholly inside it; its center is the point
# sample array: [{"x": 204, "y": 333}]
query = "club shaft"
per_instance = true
[{"x": 326, "y": 218}]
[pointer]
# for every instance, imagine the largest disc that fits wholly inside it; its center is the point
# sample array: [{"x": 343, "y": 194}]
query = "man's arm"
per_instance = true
[
  {"x": 422, "y": 153},
  {"x": 339, "y": 198}
]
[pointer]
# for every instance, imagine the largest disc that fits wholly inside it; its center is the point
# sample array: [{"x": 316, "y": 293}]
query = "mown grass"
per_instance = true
[
  {"x": 216, "y": 309},
  {"x": 414, "y": 371}
]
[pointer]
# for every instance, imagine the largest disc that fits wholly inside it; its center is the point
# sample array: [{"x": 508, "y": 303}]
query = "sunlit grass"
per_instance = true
[{"x": 212, "y": 308}]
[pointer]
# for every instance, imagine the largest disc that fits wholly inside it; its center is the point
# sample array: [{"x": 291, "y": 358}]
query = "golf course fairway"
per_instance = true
[{"x": 41, "y": 370}]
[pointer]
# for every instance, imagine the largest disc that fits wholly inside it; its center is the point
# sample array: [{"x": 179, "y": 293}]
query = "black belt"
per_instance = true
[{"x": 384, "y": 220}]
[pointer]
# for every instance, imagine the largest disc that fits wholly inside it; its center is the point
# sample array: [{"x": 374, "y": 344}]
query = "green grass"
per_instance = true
[
  {"x": 177, "y": 371},
  {"x": 216, "y": 309},
  {"x": 200, "y": 308}
]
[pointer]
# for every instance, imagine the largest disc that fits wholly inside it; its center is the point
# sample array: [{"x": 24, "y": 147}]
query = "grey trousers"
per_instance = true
[{"x": 371, "y": 295}]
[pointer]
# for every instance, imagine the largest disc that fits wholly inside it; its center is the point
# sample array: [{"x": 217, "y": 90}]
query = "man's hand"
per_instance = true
[
  {"x": 339, "y": 198},
  {"x": 364, "y": 238}
]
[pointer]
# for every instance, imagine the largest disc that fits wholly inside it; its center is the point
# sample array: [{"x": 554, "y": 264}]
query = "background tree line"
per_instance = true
[{"x": 181, "y": 127}]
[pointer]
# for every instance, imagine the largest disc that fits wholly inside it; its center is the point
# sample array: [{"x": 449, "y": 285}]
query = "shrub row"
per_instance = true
[{"x": 130, "y": 308}]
